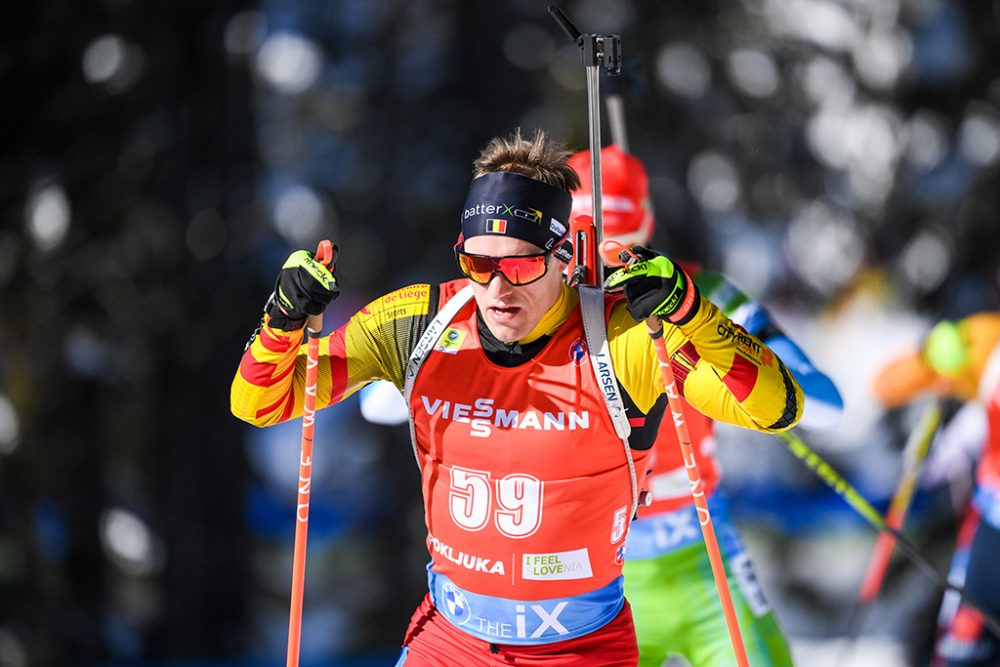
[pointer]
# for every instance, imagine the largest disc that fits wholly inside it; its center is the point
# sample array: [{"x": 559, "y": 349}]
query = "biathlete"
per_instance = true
[{"x": 516, "y": 386}]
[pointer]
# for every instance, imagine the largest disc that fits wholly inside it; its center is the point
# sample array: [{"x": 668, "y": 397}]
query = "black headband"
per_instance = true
[{"x": 509, "y": 204}]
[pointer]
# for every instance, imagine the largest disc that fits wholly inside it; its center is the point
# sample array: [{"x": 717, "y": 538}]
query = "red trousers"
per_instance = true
[{"x": 432, "y": 641}]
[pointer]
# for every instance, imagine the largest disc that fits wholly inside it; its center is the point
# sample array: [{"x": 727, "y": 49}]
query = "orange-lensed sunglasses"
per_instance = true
[{"x": 516, "y": 269}]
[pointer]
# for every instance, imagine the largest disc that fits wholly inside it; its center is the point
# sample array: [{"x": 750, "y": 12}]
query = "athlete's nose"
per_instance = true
[{"x": 499, "y": 285}]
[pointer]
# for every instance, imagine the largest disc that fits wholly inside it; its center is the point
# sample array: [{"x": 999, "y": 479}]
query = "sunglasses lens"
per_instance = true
[
  {"x": 517, "y": 270},
  {"x": 477, "y": 269},
  {"x": 523, "y": 270}
]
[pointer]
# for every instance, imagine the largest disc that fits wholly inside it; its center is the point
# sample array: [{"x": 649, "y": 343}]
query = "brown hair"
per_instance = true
[{"x": 537, "y": 158}]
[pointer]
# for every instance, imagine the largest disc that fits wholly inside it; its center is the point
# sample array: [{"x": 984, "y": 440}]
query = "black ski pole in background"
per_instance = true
[{"x": 614, "y": 102}]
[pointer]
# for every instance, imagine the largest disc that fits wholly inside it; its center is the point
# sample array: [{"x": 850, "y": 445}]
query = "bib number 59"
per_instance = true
[{"x": 513, "y": 502}]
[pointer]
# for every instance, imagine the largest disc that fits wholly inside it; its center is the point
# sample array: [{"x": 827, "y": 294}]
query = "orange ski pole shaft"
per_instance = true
[
  {"x": 314, "y": 329},
  {"x": 913, "y": 456},
  {"x": 612, "y": 250},
  {"x": 698, "y": 492}
]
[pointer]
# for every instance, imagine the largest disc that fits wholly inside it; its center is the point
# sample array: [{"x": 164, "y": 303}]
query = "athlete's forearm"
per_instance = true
[
  {"x": 823, "y": 403},
  {"x": 268, "y": 386},
  {"x": 735, "y": 377},
  {"x": 373, "y": 345}
]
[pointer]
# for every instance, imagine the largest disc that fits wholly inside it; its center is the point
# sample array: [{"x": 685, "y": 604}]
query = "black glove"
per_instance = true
[
  {"x": 655, "y": 285},
  {"x": 304, "y": 287}
]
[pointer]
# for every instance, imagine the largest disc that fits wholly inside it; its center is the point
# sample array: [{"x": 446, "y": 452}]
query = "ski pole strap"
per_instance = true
[
  {"x": 592, "y": 306},
  {"x": 423, "y": 348},
  {"x": 595, "y": 331}
]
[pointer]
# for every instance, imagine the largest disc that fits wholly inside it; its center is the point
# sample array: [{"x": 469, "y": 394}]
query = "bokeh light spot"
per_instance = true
[
  {"x": 289, "y": 63},
  {"x": 129, "y": 543},
  {"x": 683, "y": 70},
  {"x": 753, "y": 72},
  {"x": 925, "y": 261},
  {"x": 9, "y": 428},
  {"x": 244, "y": 32},
  {"x": 103, "y": 58},
  {"x": 298, "y": 214},
  {"x": 824, "y": 247},
  {"x": 926, "y": 139},
  {"x": 48, "y": 214},
  {"x": 979, "y": 136},
  {"x": 206, "y": 235},
  {"x": 714, "y": 182}
]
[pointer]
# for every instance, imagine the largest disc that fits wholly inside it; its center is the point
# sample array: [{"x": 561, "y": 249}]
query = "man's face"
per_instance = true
[{"x": 511, "y": 312}]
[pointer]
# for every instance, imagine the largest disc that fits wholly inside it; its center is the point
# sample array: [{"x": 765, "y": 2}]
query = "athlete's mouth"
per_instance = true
[{"x": 502, "y": 313}]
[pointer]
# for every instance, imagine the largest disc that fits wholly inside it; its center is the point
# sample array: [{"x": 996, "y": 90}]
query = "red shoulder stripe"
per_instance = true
[{"x": 742, "y": 377}]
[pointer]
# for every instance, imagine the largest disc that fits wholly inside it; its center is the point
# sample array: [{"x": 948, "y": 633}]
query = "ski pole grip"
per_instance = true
[
  {"x": 326, "y": 255},
  {"x": 324, "y": 252}
]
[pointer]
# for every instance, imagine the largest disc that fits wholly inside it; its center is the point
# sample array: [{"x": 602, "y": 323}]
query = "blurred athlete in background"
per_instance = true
[{"x": 962, "y": 360}]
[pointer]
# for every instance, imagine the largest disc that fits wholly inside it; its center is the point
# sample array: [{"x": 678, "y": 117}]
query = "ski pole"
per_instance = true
[
  {"x": 914, "y": 454},
  {"x": 597, "y": 51},
  {"x": 606, "y": 50},
  {"x": 616, "y": 121},
  {"x": 314, "y": 329},
  {"x": 698, "y": 491},
  {"x": 842, "y": 488},
  {"x": 655, "y": 328}
]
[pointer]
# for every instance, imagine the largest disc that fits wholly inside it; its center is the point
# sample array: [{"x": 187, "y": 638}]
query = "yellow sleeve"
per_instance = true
[
  {"x": 373, "y": 345},
  {"x": 720, "y": 369}
]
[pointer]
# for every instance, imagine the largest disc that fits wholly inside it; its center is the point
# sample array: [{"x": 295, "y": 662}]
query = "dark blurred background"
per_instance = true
[{"x": 838, "y": 159}]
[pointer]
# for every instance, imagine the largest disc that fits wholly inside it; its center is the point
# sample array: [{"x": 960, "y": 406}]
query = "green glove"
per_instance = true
[
  {"x": 304, "y": 287},
  {"x": 655, "y": 285}
]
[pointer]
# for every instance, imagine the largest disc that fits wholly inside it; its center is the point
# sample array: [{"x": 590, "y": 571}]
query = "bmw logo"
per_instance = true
[{"x": 455, "y": 605}]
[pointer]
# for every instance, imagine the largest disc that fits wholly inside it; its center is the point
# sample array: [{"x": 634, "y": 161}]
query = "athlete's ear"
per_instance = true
[{"x": 459, "y": 242}]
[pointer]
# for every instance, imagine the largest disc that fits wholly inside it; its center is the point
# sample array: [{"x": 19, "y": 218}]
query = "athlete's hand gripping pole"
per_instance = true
[
  {"x": 325, "y": 255},
  {"x": 655, "y": 326},
  {"x": 913, "y": 457}
]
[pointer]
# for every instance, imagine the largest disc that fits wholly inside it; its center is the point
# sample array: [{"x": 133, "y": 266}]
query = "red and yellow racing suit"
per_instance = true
[{"x": 526, "y": 486}]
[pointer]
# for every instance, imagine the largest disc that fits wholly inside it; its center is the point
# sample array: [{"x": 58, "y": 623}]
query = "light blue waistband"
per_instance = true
[
  {"x": 659, "y": 534},
  {"x": 525, "y": 622}
]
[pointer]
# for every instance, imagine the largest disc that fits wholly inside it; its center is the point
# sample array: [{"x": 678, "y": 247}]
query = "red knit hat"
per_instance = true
[{"x": 628, "y": 213}]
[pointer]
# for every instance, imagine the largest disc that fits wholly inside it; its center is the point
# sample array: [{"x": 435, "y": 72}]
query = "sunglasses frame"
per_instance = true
[{"x": 547, "y": 254}]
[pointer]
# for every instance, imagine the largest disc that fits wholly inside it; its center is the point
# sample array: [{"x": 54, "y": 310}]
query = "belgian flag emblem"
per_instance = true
[{"x": 496, "y": 226}]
